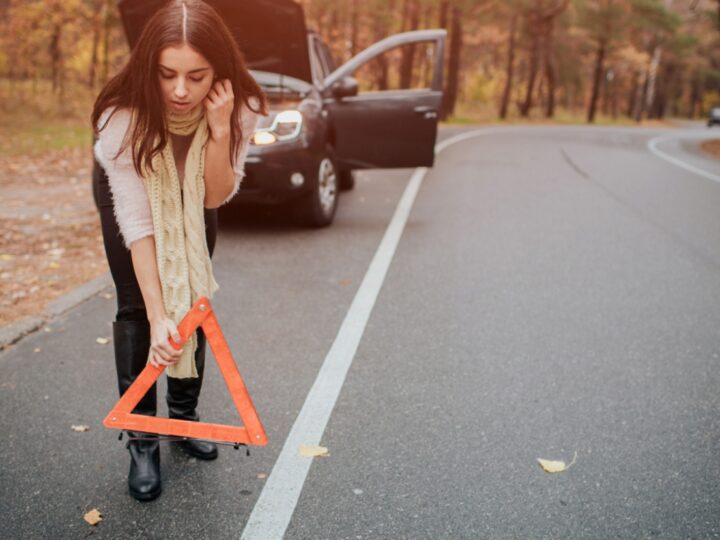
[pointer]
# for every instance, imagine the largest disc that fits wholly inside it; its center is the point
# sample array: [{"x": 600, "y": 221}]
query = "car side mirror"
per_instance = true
[{"x": 345, "y": 87}]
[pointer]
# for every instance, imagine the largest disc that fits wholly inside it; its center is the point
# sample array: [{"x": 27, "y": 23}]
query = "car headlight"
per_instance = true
[{"x": 285, "y": 125}]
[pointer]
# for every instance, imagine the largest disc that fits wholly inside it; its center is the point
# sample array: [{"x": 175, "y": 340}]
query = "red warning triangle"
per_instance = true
[{"x": 121, "y": 416}]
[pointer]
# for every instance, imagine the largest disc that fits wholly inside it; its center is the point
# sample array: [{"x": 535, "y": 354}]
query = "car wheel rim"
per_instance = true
[{"x": 327, "y": 185}]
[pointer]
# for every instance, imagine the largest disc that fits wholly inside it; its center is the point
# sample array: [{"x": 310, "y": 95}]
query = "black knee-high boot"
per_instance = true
[
  {"x": 132, "y": 344},
  {"x": 182, "y": 399}
]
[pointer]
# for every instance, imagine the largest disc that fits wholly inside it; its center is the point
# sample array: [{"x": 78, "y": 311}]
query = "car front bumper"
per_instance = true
[{"x": 268, "y": 174}]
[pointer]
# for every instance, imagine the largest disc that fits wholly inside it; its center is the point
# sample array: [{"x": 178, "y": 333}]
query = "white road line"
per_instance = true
[
  {"x": 276, "y": 504},
  {"x": 652, "y": 146}
]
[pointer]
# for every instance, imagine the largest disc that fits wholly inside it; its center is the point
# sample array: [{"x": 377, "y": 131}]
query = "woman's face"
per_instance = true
[{"x": 185, "y": 77}]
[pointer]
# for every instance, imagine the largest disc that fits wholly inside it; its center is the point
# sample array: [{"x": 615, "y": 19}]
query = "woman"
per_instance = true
[{"x": 173, "y": 130}]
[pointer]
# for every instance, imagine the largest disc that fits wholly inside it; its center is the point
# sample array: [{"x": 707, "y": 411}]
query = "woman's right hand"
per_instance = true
[{"x": 161, "y": 352}]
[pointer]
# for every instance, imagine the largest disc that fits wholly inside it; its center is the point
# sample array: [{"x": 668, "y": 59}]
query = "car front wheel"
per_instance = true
[{"x": 317, "y": 208}]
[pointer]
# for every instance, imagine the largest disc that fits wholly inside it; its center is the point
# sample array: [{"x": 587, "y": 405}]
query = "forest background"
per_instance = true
[
  {"x": 570, "y": 61},
  {"x": 565, "y": 60}
]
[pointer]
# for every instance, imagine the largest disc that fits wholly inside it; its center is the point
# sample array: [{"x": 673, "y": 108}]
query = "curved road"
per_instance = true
[{"x": 554, "y": 293}]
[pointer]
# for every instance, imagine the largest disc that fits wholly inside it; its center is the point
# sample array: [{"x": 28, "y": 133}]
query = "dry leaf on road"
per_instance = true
[
  {"x": 102, "y": 340},
  {"x": 93, "y": 517},
  {"x": 551, "y": 466},
  {"x": 313, "y": 450},
  {"x": 80, "y": 428}
]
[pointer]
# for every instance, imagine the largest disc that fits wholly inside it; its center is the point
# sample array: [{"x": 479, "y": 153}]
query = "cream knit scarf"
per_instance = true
[{"x": 181, "y": 248}]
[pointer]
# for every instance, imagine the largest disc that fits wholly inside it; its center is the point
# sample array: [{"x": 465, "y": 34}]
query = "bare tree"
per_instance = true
[
  {"x": 539, "y": 20},
  {"x": 509, "y": 66},
  {"x": 453, "y": 71}
]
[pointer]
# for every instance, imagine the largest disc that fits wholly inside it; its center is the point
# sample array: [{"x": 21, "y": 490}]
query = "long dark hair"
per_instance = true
[{"x": 137, "y": 86}]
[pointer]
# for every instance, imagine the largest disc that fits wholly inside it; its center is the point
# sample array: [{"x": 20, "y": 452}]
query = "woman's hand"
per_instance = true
[
  {"x": 219, "y": 104},
  {"x": 161, "y": 352}
]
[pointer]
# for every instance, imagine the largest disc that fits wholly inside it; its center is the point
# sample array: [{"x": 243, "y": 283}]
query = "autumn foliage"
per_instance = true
[{"x": 512, "y": 58}]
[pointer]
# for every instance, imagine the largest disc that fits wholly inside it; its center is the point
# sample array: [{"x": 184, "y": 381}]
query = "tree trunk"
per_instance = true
[
  {"x": 599, "y": 68},
  {"x": 109, "y": 6},
  {"x": 509, "y": 68},
  {"x": 614, "y": 97},
  {"x": 443, "y": 13},
  {"x": 408, "y": 51},
  {"x": 694, "y": 96},
  {"x": 632, "y": 94},
  {"x": 605, "y": 95},
  {"x": 652, "y": 78},
  {"x": 97, "y": 29},
  {"x": 550, "y": 71},
  {"x": 451, "y": 89},
  {"x": 354, "y": 29},
  {"x": 640, "y": 96},
  {"x": 380, "y": 63},
  {"x": 55, "y": 57},
  {"x": 533, "y": 65}
]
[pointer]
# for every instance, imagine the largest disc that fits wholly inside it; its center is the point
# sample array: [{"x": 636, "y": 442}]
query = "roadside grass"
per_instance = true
[
  {"x": 487, "y": 114},
  {"x": 35, "y": 120}
]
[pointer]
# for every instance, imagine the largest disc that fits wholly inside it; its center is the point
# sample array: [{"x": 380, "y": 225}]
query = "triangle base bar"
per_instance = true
[
  {"x": 180, "y": 428},
  {"x": 121, "y": 416}
]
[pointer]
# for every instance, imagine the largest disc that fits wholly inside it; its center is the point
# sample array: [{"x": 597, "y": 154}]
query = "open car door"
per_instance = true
[{"x": 385, "y": 128}]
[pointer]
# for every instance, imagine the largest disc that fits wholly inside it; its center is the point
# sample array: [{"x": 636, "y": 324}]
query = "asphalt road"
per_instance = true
[{"x": 555, "y": 293}]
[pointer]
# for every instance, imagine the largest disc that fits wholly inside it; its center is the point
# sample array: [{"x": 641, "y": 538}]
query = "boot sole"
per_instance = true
[{"x": 144, "y": 497}]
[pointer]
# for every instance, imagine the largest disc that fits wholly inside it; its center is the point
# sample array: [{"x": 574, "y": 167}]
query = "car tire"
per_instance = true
[
  {"x": 346, "y": 180},
  {"x": 317, "y": 208}
]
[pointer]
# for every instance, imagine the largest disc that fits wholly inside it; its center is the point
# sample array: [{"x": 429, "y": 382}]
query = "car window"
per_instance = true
[
  {"x": 327, "y": 55},
  {"x": 407, "y": 67},
  {"x": 325, "y": 67},
  {"x": 318, "y": 71}
]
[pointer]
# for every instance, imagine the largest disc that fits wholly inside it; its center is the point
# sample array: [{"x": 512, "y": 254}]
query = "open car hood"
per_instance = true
[{"x": 271, "y": 33}]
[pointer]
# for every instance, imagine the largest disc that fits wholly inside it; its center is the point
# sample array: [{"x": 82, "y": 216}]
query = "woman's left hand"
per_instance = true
[{"x": 219, "y": 107}]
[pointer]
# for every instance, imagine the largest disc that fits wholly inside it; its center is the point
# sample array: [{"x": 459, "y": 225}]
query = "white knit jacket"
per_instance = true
[{"x": 130, "y": 201}]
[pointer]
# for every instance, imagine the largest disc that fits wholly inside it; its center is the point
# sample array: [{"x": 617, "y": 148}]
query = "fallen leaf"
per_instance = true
[
  {"x": 37, "y": 349},
  {"x": 80, "y": 428},
  {"x": 344, "y": 281},
  {"x": 93, "y": 517},
  {"x": 262, "y": 475},
  {"x": 312, "y": 450},
  {"x": 106, "y": 295},
  {"x": 551, "y": 466},
  {"x": 102, "y": 340}
]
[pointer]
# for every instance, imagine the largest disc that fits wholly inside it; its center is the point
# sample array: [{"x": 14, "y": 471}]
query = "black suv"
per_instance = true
[{"x": 320, "y": 128}]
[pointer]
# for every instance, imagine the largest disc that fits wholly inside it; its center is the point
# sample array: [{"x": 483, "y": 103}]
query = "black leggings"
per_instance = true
[{"x": 130, "y": 303}]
